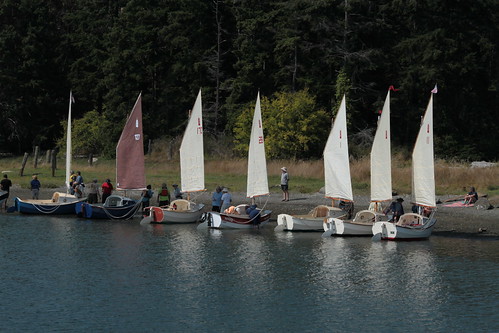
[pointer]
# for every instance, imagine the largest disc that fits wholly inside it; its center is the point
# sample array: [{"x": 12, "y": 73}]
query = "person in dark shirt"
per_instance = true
[
  {"x": 35, "y": 187},
  {"x": 471, "y": 197},
  {"x": 396, "y": 209},
  {"x": 5, "y": 185}
]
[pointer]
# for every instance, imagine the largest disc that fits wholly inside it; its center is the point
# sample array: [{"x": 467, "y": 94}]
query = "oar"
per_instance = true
[{"x": 376, "y": 237}]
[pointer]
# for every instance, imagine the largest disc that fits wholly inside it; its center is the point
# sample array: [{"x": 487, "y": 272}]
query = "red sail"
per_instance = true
[{"x": 130, "y": 173}]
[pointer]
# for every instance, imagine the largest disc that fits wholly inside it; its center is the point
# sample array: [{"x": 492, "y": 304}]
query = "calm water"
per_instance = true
[{"x": 60, "y": 274}]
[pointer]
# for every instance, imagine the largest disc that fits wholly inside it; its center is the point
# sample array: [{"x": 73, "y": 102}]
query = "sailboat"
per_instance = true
[
  {"x": 381, "y": 185},
  {"x": 338, "y": 185},
  {"x": 191, "y": 175},
  {"x": 418, "y": 225},
  {"x": 130, "y": 172},
  {"x": 61, "y": 203},
  {"x": 257, "y": 183}
]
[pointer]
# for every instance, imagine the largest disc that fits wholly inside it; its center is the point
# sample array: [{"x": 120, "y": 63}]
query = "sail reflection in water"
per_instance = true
[{"x": 57, "y": 273}]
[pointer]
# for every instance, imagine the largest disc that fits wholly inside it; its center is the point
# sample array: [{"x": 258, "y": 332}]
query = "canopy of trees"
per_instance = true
[{"x": 109, "y": 51}]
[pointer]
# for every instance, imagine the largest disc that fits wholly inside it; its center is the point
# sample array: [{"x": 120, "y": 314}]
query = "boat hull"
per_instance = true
[
  {"x": 232, "y": 221},
  {"x": 287, "y": 222},
  {"x": 45, "y": 207},
  {"x": 309, "y": 222},
  {"x": 361, "y": 225},
  {"x": 392, "y": 231},
  {"x": 167, "y": 216},
  {"x": 89, "y": 211}
]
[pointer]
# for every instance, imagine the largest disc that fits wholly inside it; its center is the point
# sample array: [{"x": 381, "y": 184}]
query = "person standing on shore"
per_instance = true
[
  {"x": 93, "y": 192},
  {"x": 284, "y": 184},
  {"x": 216, "y": 199},
  {"x": 226, "y": 199},
  {"x": 5, "y": 185},
  {"x": 35, "y": 187},
  {"x": 163, "y": 196},
  {"x": 146, "y": 198},
  {"x": 107, "y": 189}
]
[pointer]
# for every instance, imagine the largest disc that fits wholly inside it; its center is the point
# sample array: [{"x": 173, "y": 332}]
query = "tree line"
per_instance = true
[{"x": 301, "y": 55}]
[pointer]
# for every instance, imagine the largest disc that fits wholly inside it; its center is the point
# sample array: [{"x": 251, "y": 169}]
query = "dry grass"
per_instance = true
[{"x": 306, "y": 176}]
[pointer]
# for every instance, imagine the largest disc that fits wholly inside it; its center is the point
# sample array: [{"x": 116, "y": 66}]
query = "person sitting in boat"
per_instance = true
[
  {"x": 471, "y": 197},
  {"x": 164, "y": 196},
  {"x": 254, "y": 214},
  {"x": 176, "y": 192},
  {"x": 396, "y": 209},
  {"x": 72, "y": 179},
  {"x": 231, "y": 210},
  {"x": 78, "y": 185}
]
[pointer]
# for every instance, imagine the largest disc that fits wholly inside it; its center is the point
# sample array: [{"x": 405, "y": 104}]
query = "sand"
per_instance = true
[{"x": 467, "y": 222}]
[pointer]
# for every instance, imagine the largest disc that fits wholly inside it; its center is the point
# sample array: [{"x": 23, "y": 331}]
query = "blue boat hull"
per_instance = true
[
  {"x": 89, "y": 211},
  {"x": 45, "y": 208}
]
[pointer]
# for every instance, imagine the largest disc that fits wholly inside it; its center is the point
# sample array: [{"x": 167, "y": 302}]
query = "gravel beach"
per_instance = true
[{"x": 451, "y": 221}]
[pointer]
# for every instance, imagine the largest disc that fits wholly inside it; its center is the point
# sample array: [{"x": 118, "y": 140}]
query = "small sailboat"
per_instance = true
[
  {"x": 338, "y": 185},
  {"x": 130, "y": 172},
  {"x": 191, "y": 174},
  {"x": 257, "y": 184},
  {"x": 381, "y": 185},
  {"x": 419, "y": 224},
  {"x": 61, "y": 203}
]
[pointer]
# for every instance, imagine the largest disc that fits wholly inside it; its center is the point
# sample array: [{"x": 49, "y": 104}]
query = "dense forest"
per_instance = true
[{"x": 301, "y": 55}]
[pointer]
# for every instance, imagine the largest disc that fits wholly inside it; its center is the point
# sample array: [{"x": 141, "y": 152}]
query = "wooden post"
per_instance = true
[
  {"x": 35, "y": 161},
  {"x": 90, "y": 159},
  {"x": 47, "y": 157},
  {"x": 149, "y": 147},
  {"x": 25, "y": 159},
  {"x": 54, "y": 162}
]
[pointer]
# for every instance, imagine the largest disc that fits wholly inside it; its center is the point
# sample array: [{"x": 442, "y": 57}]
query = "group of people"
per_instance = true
[{"x": 163, "y": 198}]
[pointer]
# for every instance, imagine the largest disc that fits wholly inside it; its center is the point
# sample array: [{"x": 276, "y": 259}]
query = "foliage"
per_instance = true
[
  {"x": 107, "y": 52},
  {"x": 294, "y": 126},
  {"x": 90, "y": 135}
]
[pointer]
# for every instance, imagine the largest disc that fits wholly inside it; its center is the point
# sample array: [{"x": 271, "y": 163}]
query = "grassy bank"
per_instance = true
[{"x": 305, "y": 176}]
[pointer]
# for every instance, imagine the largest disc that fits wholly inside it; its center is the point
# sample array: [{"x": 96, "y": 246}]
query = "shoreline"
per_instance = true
[{"x": 459, "y": 222}]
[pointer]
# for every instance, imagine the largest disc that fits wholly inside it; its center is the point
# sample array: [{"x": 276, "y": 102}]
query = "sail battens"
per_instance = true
[
  {"x": 257, "y": 183},
  {"x": 192, "y": 151},
  {"x": 130, "y": 169}
]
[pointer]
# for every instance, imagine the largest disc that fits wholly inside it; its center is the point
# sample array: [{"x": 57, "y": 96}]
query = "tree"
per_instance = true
[{"x": 294, "y": 126}]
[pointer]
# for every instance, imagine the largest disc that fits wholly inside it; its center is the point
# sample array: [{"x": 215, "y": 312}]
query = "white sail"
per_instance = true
[
  {"x": 191, "y": 151},
  {"x": 257, "y": 165},
  {"x": 336, "y": 159},
  {"x": 68, "y": 143},
  {"x": 381, "y": 166},
  {"x": 423, "y": 173}
]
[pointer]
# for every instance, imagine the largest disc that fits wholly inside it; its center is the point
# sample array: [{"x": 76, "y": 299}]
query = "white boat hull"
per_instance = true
[
  {"x": 168, "y": 216},
  {"x": 309, "y": 222},
  {"x": 392, "y": 231},
  {"x": 287, "y": 222},
  {"x": 361, "y": 225}
]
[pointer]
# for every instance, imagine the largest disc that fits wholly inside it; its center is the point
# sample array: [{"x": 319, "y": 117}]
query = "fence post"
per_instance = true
[
  {"x": 90, "y": 159},
  {"x": 25, "y": 159},
  {"x": 47, "y": 157},
  {"x": 54, "y": 162},
  {"x": 37, "y": 152}
]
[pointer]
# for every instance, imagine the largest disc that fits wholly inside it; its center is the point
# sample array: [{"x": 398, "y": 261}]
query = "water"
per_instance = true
[{"x": 65, "y": 274}]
